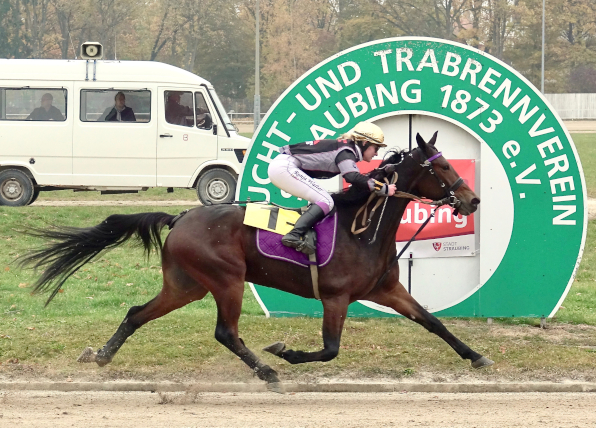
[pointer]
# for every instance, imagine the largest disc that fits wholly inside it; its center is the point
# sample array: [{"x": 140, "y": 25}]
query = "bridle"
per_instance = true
[{"x": 449, "y": 198}]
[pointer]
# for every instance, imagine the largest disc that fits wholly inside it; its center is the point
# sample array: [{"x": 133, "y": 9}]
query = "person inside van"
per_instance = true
[
  {"x": 47, "y": 111},
  {"x": 180, "y": 114},
  {"x": 120, "y": 112},
  {"x": 177, "y": 113}
]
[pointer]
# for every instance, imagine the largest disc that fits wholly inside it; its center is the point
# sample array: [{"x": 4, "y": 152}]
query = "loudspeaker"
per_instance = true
[{"x": 91, "y": 50}]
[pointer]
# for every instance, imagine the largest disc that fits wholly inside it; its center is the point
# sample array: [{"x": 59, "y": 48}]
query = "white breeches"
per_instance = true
[{"x": 284, "y": 171}]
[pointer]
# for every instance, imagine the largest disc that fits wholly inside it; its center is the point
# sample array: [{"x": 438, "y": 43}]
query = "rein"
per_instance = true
[
  {"x": 366, "y": 217},
  {"x": 449, "y": 199}
]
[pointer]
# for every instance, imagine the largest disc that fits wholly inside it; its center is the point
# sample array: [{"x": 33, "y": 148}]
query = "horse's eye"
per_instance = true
[{"x": 446, "y": 168}]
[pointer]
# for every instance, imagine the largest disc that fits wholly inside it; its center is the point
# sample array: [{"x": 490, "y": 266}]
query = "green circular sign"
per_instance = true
[{"x": 537, "y": 160}]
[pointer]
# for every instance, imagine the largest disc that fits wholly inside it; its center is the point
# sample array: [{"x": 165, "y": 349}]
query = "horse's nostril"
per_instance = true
[{"x": 475, "y": 201}]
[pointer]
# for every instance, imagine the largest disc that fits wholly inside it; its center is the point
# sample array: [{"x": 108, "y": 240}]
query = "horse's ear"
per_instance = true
[
  {"x": 421, "y": 142},
  {"x": 433, "y": 140}
]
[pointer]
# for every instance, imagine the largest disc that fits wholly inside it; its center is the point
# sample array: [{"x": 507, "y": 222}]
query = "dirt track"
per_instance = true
[{"x": 362, "y": 410}]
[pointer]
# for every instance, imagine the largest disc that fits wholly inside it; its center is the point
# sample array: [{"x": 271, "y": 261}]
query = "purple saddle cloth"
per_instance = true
[{"x": 269, "y": 244}]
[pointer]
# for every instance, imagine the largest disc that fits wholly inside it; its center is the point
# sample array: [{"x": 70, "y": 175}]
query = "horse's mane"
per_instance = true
[{"x": 357, "y": 195}]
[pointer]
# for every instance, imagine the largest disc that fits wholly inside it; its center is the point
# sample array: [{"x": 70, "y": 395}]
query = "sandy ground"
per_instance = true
[
  {"x": 362, "y": 410},
  {"x": 580, "y": 125},
  {"x": 591, "y": 209}
]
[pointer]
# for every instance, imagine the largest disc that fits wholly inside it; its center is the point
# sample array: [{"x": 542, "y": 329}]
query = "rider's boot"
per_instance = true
[{"x": 296, "y": 237}]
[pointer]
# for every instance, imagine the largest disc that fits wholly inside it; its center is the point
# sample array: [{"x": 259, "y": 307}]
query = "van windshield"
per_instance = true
[{"x": 224, "y": 116}]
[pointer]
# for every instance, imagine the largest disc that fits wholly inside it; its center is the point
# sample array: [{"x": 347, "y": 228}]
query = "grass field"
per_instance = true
[
  {"x": 38, "y": 342},
  {"x": 586, "y": 146}
]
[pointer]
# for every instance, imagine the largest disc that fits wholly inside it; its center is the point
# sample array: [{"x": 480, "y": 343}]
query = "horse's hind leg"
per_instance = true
[
  {"x": 334, "y": 315},
  {"x": 174, "y": 294},
  {"x": 229, "y": 304},
  {"x": 396, "y": 297}
]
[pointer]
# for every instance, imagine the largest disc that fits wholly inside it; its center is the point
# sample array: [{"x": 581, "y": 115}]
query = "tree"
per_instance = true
[
  {"x": 582, "y": 80},
  {"x": 8, "y": 30},
  {"x": 228, "y": 37},
  {"x": 66, "y": 14},
  {"x": 432, "y": 18}
]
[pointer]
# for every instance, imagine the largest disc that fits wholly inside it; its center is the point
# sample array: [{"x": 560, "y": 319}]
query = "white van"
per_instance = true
[{"x": 112, "y": 126}]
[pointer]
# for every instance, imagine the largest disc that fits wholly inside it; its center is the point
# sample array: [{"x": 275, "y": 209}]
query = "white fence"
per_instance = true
[
  {"x": 243, "y": 117},
  {"x": 569, "y": 107},
  {"x": 573, "y": 106}
]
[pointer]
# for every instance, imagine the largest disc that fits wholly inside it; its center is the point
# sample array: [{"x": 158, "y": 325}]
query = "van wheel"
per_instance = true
[
  {"x": 216, "y": 186},
  {"x": 16, "y": 188},
  {"x": 36, "y": 192}
]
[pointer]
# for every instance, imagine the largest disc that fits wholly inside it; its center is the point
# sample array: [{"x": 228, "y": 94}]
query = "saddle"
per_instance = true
[{"x": 273, "y": 222}]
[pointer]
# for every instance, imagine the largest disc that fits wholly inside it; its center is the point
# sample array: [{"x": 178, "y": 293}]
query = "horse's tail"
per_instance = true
[{"x": 72, "y": 247}]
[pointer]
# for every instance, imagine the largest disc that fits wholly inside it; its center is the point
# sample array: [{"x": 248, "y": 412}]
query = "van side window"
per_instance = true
[
  {"x": 39, "y": 104},
  {"x": 115, "y": 105},
  {"x": 204, "y": 117},
  {"x": 179, "y": 108}
]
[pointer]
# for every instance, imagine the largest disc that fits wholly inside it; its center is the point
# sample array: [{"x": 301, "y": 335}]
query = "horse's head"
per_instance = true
[
  {"x": 437, "y": 178},
  {"x": 431, "y": 175}
]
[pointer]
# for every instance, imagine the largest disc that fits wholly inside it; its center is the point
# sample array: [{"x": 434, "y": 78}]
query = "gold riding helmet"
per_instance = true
[{"x": 367, "y": 132}]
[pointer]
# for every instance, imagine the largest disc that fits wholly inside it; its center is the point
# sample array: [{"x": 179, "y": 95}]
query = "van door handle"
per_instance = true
[{"x": 165, "y": 136}]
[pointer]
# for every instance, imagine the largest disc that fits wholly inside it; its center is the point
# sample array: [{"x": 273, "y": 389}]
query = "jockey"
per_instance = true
[{"x": 294, "y": 169}]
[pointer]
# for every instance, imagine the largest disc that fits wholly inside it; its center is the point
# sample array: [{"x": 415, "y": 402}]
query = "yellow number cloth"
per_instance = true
[{"x": 271, "y": 218}]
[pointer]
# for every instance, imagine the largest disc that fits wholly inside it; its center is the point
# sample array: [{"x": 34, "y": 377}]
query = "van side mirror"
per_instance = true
[{"x": 215, "y": 129}]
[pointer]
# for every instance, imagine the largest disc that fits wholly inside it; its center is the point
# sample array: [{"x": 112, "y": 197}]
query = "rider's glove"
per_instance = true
[{"x": 381, "y": 189}]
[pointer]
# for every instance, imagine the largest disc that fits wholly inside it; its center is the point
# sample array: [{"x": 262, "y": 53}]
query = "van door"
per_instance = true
[
  {"x": 114, "y": 138},
  {"x": 186, "y": 136}
]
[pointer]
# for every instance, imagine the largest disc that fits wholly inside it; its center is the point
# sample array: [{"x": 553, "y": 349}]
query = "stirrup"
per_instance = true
[
  {"x": 293, "y": 243},
  {"x": 310, "y": 243},
  {"x": 306, "y": 244}
]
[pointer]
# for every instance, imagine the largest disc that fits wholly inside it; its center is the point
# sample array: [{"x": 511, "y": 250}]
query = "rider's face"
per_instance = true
[{"x": 370, "y": 152}]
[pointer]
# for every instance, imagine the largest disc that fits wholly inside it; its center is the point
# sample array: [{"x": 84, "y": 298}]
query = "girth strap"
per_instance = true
[
  {"x": 314, "y": 267},
  {"x": 314, "y": 275}
]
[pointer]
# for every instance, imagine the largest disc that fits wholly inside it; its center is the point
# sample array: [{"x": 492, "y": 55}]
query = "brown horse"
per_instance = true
[{"x": 210, "y": 250}]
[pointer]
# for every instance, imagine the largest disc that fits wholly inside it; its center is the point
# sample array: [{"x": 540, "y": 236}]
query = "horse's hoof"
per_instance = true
[
  {"x": 102, "y": 361},
  {"x": 482, "y": 362},
  {"x": 276, "y": 387},
  {"x": 276, "y": 348},
  {"x": 87, "y": 356}
]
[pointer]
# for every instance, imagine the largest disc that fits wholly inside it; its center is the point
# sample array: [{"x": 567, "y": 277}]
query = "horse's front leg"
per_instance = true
[
  {"x": 334, "y": 315},
  {"x": 394, "y": 295}
]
